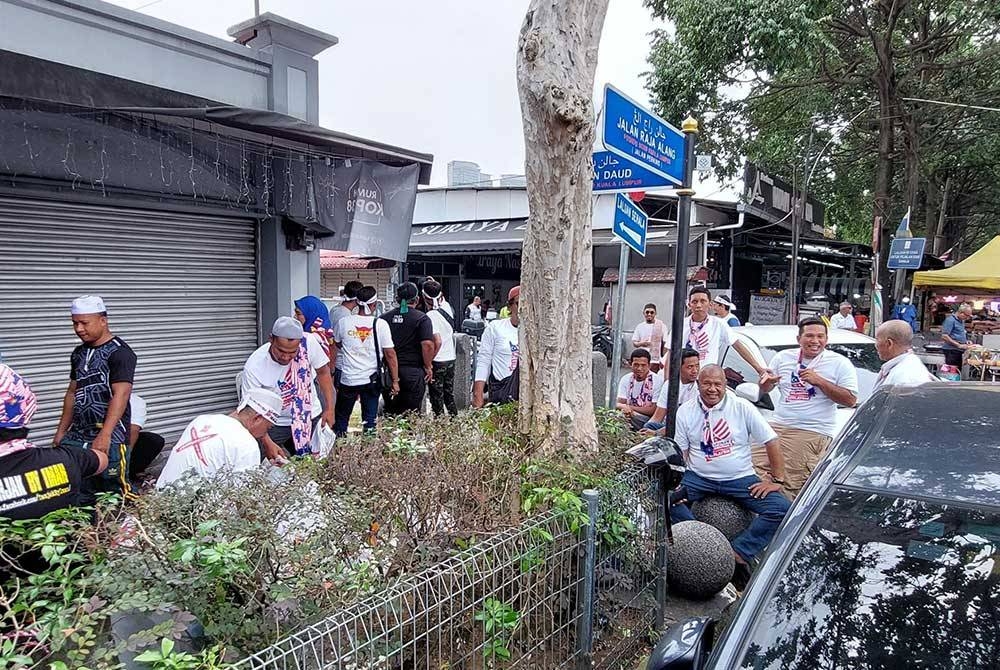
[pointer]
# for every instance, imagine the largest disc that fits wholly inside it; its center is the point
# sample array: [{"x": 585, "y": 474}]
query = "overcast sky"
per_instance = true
[{"x": 434, "y": 75}]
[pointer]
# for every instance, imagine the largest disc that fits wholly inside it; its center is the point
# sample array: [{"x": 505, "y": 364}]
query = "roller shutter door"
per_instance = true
[
  {"x": 180, "y": 289},
  {"x": 332, "y": 280}
]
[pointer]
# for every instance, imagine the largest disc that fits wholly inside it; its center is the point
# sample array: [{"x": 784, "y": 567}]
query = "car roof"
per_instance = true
[
  {"x": 939, "y": 440},
  {"x": 783, "y": 336}
]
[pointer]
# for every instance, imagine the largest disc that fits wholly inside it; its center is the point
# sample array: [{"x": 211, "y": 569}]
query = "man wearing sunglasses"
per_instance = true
[{"x": 649, "y": 335}]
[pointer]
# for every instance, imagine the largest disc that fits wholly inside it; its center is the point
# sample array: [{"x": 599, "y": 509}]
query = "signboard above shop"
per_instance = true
[
  {"x": 772, "y": 197},
  {"x": 642, "y": 137}
]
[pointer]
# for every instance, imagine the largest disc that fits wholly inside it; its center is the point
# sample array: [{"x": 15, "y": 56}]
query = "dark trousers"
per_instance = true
[
  {"x": 770, "y": 509},
  {"x": 346, "y": 397},
  {"x": 113, "y": 480},
  {"x": 411, "y": 392},
  {"x": 146, "y": 448},
  {"x": 442, "y": 388},
  {"x": 953, "y": 357}
]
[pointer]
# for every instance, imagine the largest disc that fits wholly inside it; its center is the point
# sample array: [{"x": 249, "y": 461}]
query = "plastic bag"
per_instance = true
[{"x": 323, "y": 439}]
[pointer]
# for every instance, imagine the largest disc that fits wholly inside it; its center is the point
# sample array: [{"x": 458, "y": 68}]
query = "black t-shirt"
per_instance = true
[
  {"x": 95, "y": 369},
  {"x": 408, "y": 331},
  {"x": 36, "y": 481}
]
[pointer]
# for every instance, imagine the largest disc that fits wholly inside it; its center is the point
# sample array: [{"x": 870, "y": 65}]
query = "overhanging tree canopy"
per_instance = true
[{"x": 980, "y": 270}]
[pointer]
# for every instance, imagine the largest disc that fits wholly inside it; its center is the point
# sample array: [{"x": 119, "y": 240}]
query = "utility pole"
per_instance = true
[{"x": 798, "y": 218}]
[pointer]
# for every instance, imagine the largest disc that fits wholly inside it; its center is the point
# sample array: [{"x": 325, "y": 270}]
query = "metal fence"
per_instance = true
[{"x": 559, "y": 591}]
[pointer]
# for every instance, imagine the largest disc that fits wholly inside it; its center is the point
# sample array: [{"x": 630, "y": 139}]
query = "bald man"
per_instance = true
[
  {"x": 715, "y": 431},
  {"x": 902, "y": 367}
]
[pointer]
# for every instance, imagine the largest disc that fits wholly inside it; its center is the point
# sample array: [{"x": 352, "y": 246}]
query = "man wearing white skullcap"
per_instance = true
[
  {"x": 95, "y": 411},
  {"x": 292, "y": 365},
  {"x": 214, "y": 443},
  {"x": 36, "y": 481}
]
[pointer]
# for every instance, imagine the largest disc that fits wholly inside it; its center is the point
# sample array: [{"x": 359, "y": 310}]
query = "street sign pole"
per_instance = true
[
  {"x": 616, "y": 326},
  {"x": 690, "y": 129}
]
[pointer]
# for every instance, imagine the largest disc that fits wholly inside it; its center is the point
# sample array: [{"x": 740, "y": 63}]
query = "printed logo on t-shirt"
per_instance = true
[
  {"x": 515, "y": 354},
  {"x": 361, "y": 332},
  {"x": 33, "y": 486},
  {"x": 198, "y": 439},
  {"x": 799, "y": 391},
  {"x": 722, "y": 440}
]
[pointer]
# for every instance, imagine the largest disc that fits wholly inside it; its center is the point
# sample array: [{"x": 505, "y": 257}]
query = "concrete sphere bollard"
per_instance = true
[
  {"x": 700, "y": 561},
  {"x": 724, "y": 514}
]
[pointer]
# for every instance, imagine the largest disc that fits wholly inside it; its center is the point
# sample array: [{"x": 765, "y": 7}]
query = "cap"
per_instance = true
[
  {"x": 906, "y": 299},
  {"x": 265, "y": 402},
  {"x": 17, "y": 400},
  {"x": 724, "y": 300},
  {"x": 88, "y": 304},
  {"x": 514, "y": 293},
  {"x": 287, "y": 327}
]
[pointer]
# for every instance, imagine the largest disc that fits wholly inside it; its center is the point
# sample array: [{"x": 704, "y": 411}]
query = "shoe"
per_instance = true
[{"x": 741, "y": 577}]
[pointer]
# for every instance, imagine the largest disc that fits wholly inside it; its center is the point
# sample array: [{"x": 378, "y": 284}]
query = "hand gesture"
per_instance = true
[
  {"x": 761, "y": 489},
  {"x": 810, "y": 376}
]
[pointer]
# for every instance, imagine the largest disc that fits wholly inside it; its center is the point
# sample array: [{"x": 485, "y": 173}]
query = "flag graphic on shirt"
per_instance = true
[
  {"x": 514, "y": 355},
  {"x": 698, "y": 339},
  {"x": 720, "y": 437}
]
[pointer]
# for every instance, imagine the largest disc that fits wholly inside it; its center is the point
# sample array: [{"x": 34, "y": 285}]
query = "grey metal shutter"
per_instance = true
[
  {"x": 331, "y": 280},
  {"x": 180, "y": 289}
]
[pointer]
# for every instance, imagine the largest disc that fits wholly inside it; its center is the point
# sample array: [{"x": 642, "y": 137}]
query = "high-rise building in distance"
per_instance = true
[{"x": 466, "y": 173}]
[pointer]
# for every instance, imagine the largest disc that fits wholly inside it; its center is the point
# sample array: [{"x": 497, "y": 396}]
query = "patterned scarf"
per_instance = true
[
  {"x": 645, "y": 391},
  {"x": 298, "y": 395},
  {"x": 709, "y": 432},
  {"x": 810, "y": 389},
  {"x": 698, "y": 337}
]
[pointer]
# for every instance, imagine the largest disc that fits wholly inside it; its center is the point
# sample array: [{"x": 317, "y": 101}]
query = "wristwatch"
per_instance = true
[{"x": 777, "y": 481}]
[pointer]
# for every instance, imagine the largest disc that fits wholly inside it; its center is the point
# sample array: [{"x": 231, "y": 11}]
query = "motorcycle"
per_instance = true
[{"x": 602, "y": 342}]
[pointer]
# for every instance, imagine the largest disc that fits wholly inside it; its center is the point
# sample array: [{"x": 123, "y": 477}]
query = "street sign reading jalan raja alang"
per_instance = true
[{"x": 642, "y": 137}]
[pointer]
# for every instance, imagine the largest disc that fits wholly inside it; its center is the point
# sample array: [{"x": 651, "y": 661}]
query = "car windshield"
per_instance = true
[
  {"x": 886, "y": 582},
  {"x": 862, "y": 354}
]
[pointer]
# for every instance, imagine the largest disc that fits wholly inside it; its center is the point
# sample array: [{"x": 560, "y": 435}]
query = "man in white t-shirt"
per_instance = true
[
  {"x": 498, "y": 358},
  {"x": 690, "y": 367},
  {"x": 213, "y": 443},
  {"x": 902, "y": 367},
  {"x": 442, "y": 387},
  {"x": 474, "y": 311},
  {"x": 271, "y": 367},
  {"x": 357, "y": 375},
  {"x": 714, "y": 432},
  {"x": 638, "y": 390},
  {"x": 844, "y": 319},
  {"x": 812, "y": 381},
  {"x": 649, "y": 335},
  {"x": 145, "y": 445},
  {"x": 709, "y": 335}
]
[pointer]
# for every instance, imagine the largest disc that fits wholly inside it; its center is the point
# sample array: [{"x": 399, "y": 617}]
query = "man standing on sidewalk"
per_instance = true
[
  {"x": 649, "y": 335},
  {"x": 498, "y": 360},
  {"x": 413, "y": 339},
  {"x": 348, "y": 303},
  {"x": 95, "y": 412},
  {"x": 709, "y": 335},
  {"x": 442, "y": 387},
  {"x": 902, "y": 367},
  {"x": 953, "y": 334},
  {"x": 812, "y": 381},
  {"x": 844, "y": 319}
]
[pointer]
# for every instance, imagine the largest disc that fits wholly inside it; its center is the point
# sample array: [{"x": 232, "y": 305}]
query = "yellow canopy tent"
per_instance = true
[{"x": 980, "y": 270}]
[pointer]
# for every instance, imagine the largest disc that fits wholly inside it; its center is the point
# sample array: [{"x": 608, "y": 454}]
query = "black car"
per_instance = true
[{"x": 890, "y": 558}]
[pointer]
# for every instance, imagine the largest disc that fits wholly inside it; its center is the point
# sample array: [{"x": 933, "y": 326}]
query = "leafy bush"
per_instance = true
[{"x": 230, "y": 565}]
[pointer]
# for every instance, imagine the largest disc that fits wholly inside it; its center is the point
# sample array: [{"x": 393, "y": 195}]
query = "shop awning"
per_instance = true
[
  {"x": 470, "y": 237},
  {"x": 836, "y": 286},
  {"x": 654, "y": 275},
  {"x": 980, "y": 270},
  {"x": 345, "y": 260}
]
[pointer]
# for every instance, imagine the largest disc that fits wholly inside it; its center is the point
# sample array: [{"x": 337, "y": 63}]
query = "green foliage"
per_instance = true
[
  {"x": 499, "y": 620},
  {"x": 166, "y": 658}
]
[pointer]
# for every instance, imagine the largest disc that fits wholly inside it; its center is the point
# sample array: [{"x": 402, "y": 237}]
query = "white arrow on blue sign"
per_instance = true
[
  {"x": 614, "y": 174},
  {"x": 906, "y": 253},
  {"x": 635, "y": 133},
  {"x": 630, "y": 224}
]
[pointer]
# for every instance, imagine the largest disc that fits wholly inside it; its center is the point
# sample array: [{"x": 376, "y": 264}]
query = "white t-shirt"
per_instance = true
[
  {"x": 805, "y": 406},
  {"x": 735, "y": 425},
  {"x": 262, "y": 371},
  {"x": 653, "y": 333},
  {"x": 708, "y": 338},
  {"x": 498, "y": 351},
  {"x": 838, "y": 320},
  {"x": 137, "y": 405},
  {"x": 474, "y": 312},
  {"x": 636, "y": 393},
  {"x": 356, "y": 347},
  {"x": 905, "y": 370},
  {"x": 687, "y": 392},
  {"x": 440, "y": 326},
  {"x": 210, "y": 443}
]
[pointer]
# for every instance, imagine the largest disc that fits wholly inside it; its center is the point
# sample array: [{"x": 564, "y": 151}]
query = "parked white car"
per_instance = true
[{"x": 766, "y": 341}]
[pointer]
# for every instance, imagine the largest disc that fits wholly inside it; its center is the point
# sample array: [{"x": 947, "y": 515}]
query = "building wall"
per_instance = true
[
  {"x": 637, "y": 296},
  {"x": 104, "y": 38}
]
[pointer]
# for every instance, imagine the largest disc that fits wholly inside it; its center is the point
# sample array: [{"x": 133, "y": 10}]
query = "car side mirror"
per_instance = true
[
  {"x": 749, "y": 391},
  {"x": 683, "y": 647}
]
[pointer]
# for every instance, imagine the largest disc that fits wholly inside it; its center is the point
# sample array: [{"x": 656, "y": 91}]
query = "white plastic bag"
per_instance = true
[{"x": 323, "y": 439}]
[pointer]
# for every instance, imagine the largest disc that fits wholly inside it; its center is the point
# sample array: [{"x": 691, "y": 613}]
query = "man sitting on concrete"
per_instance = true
[
  {"x": 638, "y": 390},
  {"x": 715, "y": 433},
  {"x": 690, "y": 366},
  {"x": 216, "y": 442}
]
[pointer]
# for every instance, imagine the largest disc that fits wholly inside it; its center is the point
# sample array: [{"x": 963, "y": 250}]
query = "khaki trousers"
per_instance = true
[{"x": 802, "y": 449}]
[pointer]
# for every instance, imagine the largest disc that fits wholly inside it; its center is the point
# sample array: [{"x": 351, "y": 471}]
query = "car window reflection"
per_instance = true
[{"x": 884, "y": 582}]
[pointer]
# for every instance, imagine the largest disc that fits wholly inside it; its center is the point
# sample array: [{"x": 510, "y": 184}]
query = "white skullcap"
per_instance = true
[
  {"x": 265, "y": 402},
  {"x": 88, "y": 304},
  {"x": 288, "y": 328}
]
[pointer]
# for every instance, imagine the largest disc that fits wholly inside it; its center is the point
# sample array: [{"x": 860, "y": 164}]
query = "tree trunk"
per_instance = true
[{"x": 556, "y": 62}]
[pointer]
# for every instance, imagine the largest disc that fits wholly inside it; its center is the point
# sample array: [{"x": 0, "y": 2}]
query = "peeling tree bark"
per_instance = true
[{"x": 556, "y": 63}]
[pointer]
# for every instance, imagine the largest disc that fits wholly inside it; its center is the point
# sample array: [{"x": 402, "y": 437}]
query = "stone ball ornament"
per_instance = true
[
  {"x": 724, "y": 514},
  {"x": 700, "y": 560}
]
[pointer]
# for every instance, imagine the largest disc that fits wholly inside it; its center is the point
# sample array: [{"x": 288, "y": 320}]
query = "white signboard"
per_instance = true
[{"x": 767, "y": 310}]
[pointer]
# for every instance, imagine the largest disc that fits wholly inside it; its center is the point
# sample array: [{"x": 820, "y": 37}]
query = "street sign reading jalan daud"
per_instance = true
[
  {"x": 614, "y": 174},
  {"x": 635, "y": 133},
  {"x": 630, "y": 224},
  {"x": 906, "y": 253}
]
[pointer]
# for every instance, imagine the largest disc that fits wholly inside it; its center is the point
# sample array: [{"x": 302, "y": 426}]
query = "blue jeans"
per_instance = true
[
  {"x": 770, "y": 509},
  {"x": 346, "y": 397}
]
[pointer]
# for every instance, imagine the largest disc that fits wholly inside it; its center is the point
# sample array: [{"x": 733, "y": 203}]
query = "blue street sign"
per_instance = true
[
  {"x": 614, "y": 174},
  {"x": 907, "y": 253},
  {"x": 640, "y": 136},
  {"x": 630, "y": 224}
]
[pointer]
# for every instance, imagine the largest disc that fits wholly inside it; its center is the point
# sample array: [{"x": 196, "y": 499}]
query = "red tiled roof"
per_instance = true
[
  {"x": 345, "y": 260},
  {"x": 653, "y": 275}
]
